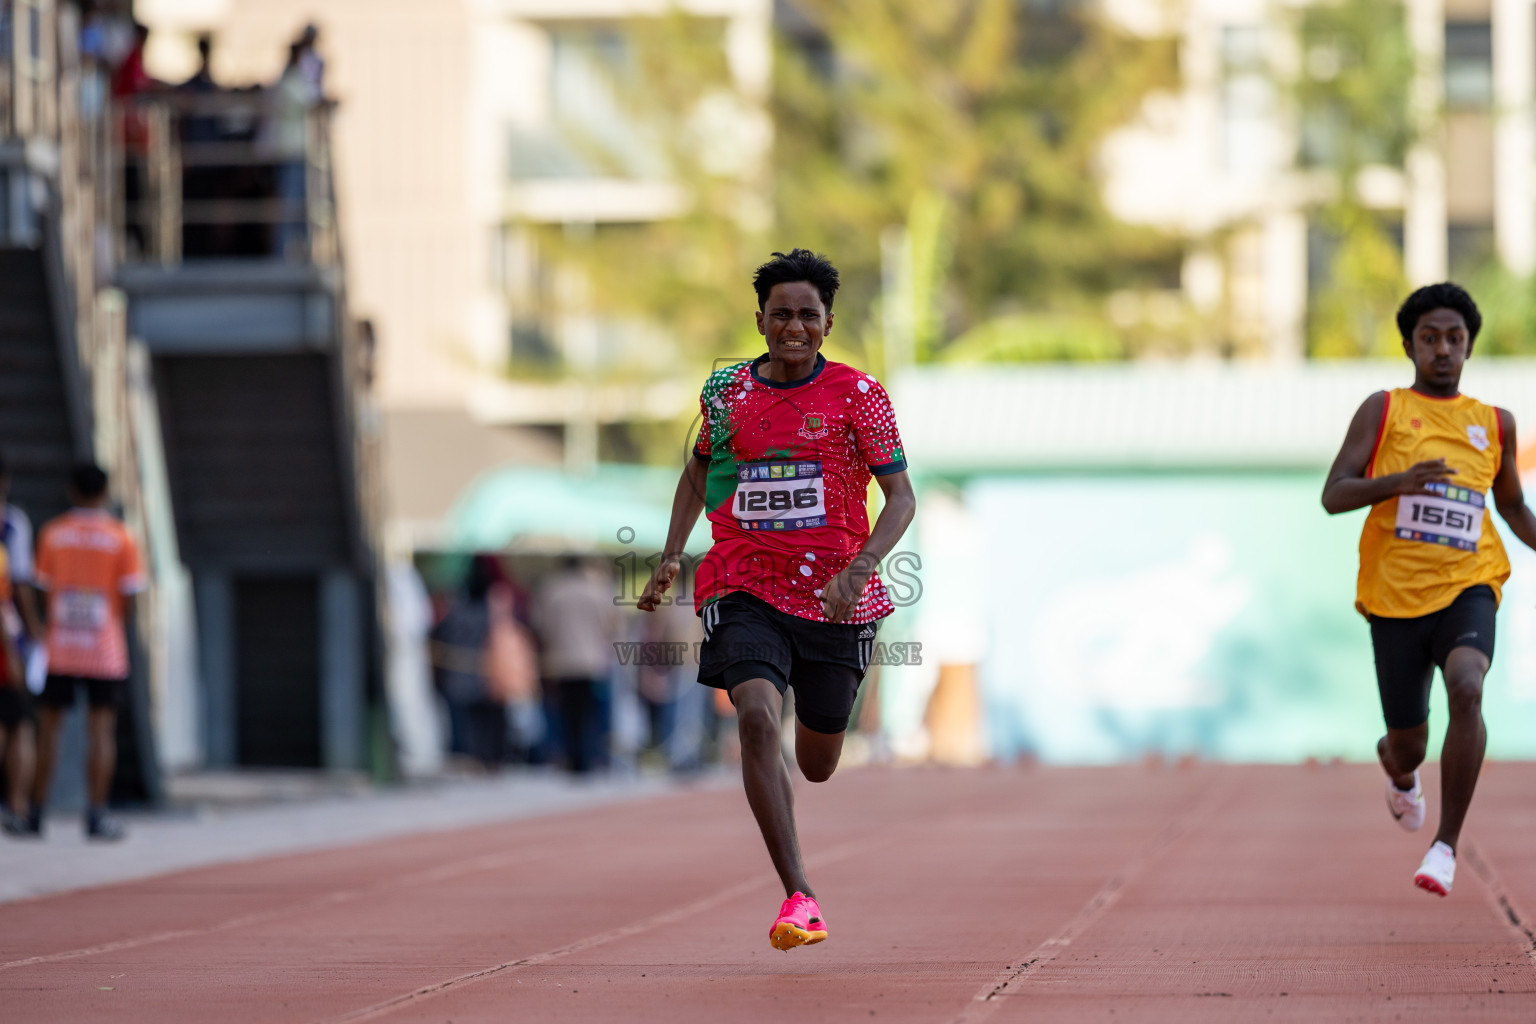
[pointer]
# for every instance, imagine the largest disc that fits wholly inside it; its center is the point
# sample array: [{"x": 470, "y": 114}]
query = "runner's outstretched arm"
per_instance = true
[
  {"x": 1508, "y": 495},
  {"x": 687, "y": 503},
  {"x": 1348, "y": 488},
  {"x": 842, "y": 594}
]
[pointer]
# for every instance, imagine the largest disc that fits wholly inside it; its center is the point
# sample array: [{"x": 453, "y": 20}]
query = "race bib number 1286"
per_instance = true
[
  {"x": 1443, "y": 514},
  {"x": 779, "y": 496}
]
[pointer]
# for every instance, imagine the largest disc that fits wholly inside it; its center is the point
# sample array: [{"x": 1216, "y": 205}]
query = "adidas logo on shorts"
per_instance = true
[{"x": 867, "y": 633}]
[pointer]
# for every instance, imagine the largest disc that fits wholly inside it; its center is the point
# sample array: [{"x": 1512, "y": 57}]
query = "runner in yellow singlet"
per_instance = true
[{"x": 1432, "y": 566}]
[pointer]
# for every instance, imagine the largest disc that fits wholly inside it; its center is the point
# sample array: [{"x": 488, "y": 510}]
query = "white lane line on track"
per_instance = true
[
  {"x": 1503, "y": 904},
  {"x": 1009, "y": 982},
  {"x": 441, "y": 873},
  {"x": 645, "y": 924}
]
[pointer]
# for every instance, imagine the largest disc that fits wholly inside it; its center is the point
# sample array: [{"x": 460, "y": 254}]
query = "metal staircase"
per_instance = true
[
  {"x": 64, "y": 389},
  {"x": 257, "y": 378},
  {"x": 36, "y": 433},
  {"x": 229, "y": 424}
]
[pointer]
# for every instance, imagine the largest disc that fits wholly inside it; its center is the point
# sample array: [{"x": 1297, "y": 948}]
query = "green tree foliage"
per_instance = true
[
  {"x": 683, "y": 275},
  {"x": 995, "y": 109},
  {"x": 1353, "y": 94},
  {"x": 1354, "y": 315},
  {"x": 1508, "y": 304},
  {"x": 972, "y": 128}
]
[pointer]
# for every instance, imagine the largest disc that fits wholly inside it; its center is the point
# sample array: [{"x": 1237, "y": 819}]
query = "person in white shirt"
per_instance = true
[
  {"x": 23, "y": 629},
  {"x": 576, "y": 620}
]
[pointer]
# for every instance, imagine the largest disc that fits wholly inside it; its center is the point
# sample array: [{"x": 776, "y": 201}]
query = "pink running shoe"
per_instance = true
[{"x": 800, "y": 923}]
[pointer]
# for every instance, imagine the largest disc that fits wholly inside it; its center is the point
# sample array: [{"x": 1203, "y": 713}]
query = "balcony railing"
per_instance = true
[
  {"x": 28, "y": 97},
  {"x": 226, "y": 175}
]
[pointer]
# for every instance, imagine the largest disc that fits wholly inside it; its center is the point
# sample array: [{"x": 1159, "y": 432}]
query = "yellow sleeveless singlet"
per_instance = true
[{"x": 1419, "y": 552}]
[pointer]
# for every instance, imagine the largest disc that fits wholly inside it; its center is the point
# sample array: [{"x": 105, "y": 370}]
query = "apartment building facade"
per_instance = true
[{"x": 1224, "y": 162}]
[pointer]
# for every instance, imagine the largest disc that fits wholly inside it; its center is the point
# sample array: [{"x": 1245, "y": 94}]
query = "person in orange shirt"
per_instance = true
[
  {"x": 1432, "y": 567},
  {"x": 89, "y": 565}
]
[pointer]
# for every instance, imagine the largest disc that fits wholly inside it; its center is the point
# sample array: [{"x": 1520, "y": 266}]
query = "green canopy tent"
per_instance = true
[{"x": 539, "y": 510}]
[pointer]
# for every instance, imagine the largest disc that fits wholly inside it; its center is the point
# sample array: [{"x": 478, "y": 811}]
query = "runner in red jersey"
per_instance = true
[
  {"x": 789, "y": 592},
  {"x": 789, "y": 465}
]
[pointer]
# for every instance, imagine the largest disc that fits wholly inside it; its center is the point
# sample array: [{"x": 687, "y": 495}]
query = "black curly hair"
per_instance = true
[
  {"x": 798, "y": 265},
  {"x": 1444, "y": 295}
]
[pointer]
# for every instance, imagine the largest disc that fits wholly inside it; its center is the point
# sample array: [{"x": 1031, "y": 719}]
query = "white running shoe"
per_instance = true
[
  {"x": 1438, "y": 870},
  {"x": 1407, "y": 807}
]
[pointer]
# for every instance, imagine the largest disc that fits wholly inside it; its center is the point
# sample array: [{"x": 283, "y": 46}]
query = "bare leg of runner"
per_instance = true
[
  {"x": 1401, "y": 752},
  {"x": 817, "y": 753},
  {"x": 758, "y": 710},
  {"x": 1465, "y": 739}
]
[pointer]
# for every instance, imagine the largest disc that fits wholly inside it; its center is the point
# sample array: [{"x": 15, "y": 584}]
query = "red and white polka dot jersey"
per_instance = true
[{"x": 789, "y": 471}]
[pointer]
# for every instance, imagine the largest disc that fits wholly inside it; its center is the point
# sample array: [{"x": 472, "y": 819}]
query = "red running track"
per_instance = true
[{"x": 1209, "y": 893}]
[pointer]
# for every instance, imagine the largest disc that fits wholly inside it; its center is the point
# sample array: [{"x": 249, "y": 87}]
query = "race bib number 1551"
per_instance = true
[
  {"x": 1443, "y": 514},
  {"x": 779, "y": 496}
]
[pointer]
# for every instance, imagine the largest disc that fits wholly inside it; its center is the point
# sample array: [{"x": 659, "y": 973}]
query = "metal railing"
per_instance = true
[
  {"x": 223, "y": 175},
  {"x": 28, "y": 41}
]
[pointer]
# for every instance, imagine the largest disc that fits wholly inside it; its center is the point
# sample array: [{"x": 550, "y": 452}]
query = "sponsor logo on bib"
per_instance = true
[
  {"x": 1478, "y": 435},
  {"x": 779, "y": 496}
]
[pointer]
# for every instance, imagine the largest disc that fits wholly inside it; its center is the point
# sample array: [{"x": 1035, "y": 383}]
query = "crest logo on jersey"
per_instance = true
[
  {"x": 1478, "y": 435},
  {"x": 815, "y": 426}
]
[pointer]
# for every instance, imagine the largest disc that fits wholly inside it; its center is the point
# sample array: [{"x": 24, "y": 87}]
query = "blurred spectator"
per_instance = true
[
  {"x": 310, "y": 61},
  {"x": 106, "y": 34},
  {"x": 89, "y": 565},
  {"x": 130, "y": 81},
  {"x": 413, "y": 713},
  {"x": 678, "y": 706},
  {"x": 202, "y": 79},
  {"x": 18, "y": 623},
  {"x": 477, "y": 718},
  {"x": 200, "y": 182},
  {"x": 512, "y": 666},
  {"x": 106, "y": 38},
  {"x": 16, "y": 717},
  {"x": 292, "y": 99},
  {"x": 577, "y": 622},
  {"x": 367, "y": 353},
  {"x": 16, "y": 536}
]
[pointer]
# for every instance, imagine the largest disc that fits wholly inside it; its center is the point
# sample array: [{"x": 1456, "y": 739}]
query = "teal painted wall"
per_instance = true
[{"x": 1203, "y": 614}]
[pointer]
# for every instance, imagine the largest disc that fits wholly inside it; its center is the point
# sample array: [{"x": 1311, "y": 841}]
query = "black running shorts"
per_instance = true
[
  {"x": 59, "y": 692},
  {"x": 1407, "y": 651},
  {"x": 747, "y": 638},
  {"x": 15, "y": 706}
]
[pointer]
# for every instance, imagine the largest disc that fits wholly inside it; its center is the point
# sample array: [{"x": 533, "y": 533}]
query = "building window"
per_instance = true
[
  {"x": 591, "y": 131},
  {"x": 1247, "y": 101},
  {"x": 1469, "y": 248},
  {"x": 1468, "y": 63}
]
